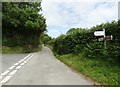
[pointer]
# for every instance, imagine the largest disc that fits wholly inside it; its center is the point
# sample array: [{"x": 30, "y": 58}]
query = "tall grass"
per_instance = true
[
  {"x": 19, "y": 49},
  {"x": 98, "y": 70}
]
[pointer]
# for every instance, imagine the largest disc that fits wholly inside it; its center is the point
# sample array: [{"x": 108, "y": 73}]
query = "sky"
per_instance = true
[{"x": 62, "y": 15}]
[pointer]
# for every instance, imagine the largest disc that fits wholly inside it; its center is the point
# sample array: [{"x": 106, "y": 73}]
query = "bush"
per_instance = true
[{"x": 83, "y": 41}]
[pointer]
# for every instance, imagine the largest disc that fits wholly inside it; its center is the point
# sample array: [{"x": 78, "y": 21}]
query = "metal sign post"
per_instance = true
[
  {"x": 104, "y": 39},
  {"x": 101, "y": 39}
]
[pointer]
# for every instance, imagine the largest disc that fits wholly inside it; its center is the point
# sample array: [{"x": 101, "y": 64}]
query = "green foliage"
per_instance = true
[
  {"x": 83, "y": 41},
  {"x": 22, "y": 24},
  {"x": 81, "y": 50},
  {"x": 45, "y": 39},
  {"x": 73, "y": 42},
  {"x": 100, "y": 71},
  {"x": 19, "y": 49}
]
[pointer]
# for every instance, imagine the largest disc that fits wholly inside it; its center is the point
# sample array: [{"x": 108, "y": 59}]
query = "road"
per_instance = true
[
  {"x": 9, "y": 59},
  {"x": 43, "y": 69}
]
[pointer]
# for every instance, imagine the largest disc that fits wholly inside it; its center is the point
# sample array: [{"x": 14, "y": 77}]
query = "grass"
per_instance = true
[
  {"x": 18, "y": 49},
  {"x": 98, "y": 70}
]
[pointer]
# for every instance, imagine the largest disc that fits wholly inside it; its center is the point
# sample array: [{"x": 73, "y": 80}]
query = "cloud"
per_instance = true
[
  {"x": 63, "y": 15},
  {"x": 56, "y": 30},
  {"x": 81, "y": 0}
]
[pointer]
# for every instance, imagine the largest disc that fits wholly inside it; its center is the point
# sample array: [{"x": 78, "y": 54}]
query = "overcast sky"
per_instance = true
[{"x": 62, "y": 15}]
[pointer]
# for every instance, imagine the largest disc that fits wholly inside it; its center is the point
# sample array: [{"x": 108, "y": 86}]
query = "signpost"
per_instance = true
[
  {"x": 108, "y": 37},
  {"x": 99, "y": 33},
  {"x": 105, "y": 38},
  {"x": 101, "y": 39}
]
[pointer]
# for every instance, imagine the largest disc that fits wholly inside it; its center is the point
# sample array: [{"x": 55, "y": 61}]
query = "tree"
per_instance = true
[
  {"x": 75, "y": 30},
  {"x": 22, "y": 22},
  {"x": 45, "y": 38}
]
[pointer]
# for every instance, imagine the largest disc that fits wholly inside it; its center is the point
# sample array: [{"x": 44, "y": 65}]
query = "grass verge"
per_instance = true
[
  {"x": 18, "y": 49},
  {"x": 98, "y": 70}
]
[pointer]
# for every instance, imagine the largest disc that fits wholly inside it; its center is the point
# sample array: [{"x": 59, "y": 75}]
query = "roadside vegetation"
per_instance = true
[
  {"x": 81, "y": 50},
  {"x": 18, "y": 49},
  {"x": 22, "y": 27},
  {"x": 23, "y": 30}
]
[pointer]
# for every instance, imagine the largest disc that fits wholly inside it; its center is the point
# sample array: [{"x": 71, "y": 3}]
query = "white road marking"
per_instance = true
[
  {"x": 18, "y": 67},
  {"x": 0, "y": 77},
  {"x": 5, "y": 72},
  {"x": 13, "y": 72},
  {"x": 27, "y": 60},
  {"x": 16, "y": 64},
  {"x": 11, "y": 67},
  {"x": 5, "y": 79},
  {"x": 22, "y": 64},
  {"x": 20, "y": 61},
  {"x": 32, "y": 56},
  {"x": 24, "y": 60},
  {"x": 27, "y": 56}
]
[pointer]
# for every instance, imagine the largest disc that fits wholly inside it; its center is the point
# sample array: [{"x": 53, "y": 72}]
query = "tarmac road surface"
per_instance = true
[{"x": 41, "y": 68}]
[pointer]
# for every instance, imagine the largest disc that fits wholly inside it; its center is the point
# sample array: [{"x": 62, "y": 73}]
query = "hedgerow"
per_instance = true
[{"x": 78, "y": 40}]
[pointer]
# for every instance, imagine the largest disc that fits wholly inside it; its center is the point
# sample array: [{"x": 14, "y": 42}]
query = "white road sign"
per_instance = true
[
  {"x": 99, "y": 33},
  {"x": 101, "y": 39}
]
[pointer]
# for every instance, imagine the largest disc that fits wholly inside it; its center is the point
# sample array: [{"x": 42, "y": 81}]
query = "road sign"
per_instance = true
[
  {"x": 105, "y": 37},
  {"x": 108, "y": 37},
  {"x": 99, "y": 33},
  {"x": 101, "y": 39}
]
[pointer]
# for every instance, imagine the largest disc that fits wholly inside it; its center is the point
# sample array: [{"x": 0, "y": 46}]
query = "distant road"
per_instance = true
[{"x": 41, "y": 68}]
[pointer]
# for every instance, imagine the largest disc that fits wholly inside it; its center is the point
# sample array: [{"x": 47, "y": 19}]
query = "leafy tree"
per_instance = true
[
  {"x": 22, "y": 23},
  {"x": 75, "y": 30},
  {"x": 45, "y": 38}
]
